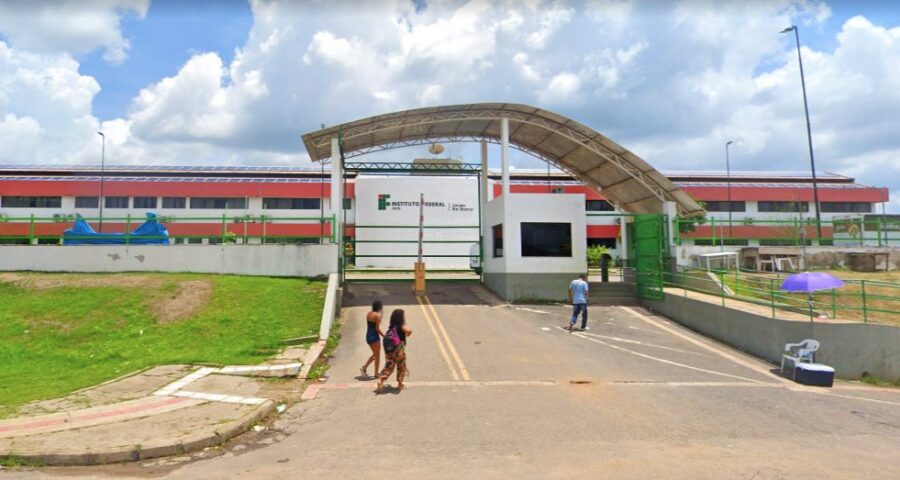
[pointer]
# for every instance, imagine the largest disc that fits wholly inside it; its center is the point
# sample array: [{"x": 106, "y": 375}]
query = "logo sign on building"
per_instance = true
[{"x": 385, "y": 203}]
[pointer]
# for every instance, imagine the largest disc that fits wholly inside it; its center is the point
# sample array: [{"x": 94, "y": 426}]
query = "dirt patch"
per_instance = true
[
  {"x": 47, "y": 282},
  {"x": 190, "y": 297},
  {"x": 8, "y": 277}
]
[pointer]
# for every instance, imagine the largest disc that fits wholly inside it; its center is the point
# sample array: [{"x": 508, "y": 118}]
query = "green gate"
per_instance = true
[{"x": 650, "y": 249}]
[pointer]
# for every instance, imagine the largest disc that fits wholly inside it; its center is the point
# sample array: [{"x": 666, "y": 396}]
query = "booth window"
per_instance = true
[
  {"x": 546, "y": 239},
  {"x": 498, "y": 240}
]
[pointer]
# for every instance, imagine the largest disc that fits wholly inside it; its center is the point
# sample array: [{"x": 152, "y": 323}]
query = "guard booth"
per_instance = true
[{"x": 532, "y": 246}]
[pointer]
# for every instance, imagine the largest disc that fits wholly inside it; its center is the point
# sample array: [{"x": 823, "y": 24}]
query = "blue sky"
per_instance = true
[
  {"x": 213, "y": 82},
  {"x": 162, "y": 42}
]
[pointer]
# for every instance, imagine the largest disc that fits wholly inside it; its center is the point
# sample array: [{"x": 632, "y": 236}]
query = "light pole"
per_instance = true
[
  {"x": 102, "y": 164},
  {"x": 728, "y": 184},
  {"x": 812, "y": 160}
]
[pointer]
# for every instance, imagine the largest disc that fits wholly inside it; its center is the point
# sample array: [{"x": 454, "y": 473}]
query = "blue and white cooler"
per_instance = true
[{"x": 815, "y": 374}]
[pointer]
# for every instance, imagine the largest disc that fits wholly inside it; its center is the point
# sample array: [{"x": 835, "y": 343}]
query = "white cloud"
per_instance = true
[
  {"x": 562, "y": 89},
  {"x": 551, "y": 19},
  {"x": 45, "y": 106},
  {"x": 73, "y": 27}
]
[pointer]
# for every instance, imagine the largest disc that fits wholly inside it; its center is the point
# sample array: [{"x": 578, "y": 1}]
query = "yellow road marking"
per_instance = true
[
  {"x": 437, "y": 339},
  {"x": 459, "y": 363}
]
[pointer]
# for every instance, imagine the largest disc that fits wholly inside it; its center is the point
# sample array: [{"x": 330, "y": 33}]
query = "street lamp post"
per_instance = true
[
  {"x": 812, "y": 160},
  {"x": 102, "y": 164},
  {"x": 728, "y": 184}
]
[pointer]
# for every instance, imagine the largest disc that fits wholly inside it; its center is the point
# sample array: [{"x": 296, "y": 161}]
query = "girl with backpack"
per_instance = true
[
  {"x": 373, "y": 335},
  {"x": 395, "y": 350}
]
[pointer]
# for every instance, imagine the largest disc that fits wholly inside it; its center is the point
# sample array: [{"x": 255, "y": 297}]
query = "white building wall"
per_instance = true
[{"x": 268, "y": 260}]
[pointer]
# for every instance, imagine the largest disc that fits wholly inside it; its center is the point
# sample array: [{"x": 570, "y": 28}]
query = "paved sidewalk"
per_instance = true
[{"x": 162, "y": 411}]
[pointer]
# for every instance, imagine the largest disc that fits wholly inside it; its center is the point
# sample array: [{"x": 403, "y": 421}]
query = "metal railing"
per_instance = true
[
  {"x": 871, "y": 230},
  {"x": 227, "y": 228},
  {"x": 869, "y": 301}
]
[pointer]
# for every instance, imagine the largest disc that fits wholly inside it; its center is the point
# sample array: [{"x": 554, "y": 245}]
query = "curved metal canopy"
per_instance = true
[{"x": 624, "y": 179}]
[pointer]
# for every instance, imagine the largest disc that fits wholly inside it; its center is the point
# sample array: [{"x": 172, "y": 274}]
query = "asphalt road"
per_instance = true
[{"x": 500, "y": 391}]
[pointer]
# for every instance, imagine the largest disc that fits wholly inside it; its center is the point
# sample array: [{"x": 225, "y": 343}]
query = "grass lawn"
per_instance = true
[{"x": 64, "y": 332}]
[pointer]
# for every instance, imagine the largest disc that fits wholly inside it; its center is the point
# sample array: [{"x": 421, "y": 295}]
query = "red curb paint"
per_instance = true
[
  {"x": 311, "y": 392},
  {"x": 40, "y": 424},
  {"x": 127, "y": 410},
  {"x": 92, "y": 416}
]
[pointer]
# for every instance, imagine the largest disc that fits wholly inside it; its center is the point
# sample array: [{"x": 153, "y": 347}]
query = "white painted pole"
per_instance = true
[
  {"x": 421, "y": 223},
  {"x": 504, "y": 154},
  {"x": 336, "y": 194},
  {"x": 486, "y": 195}
]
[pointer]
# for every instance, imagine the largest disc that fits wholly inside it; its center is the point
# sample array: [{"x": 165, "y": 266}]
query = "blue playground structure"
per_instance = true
[{"x": 151, "y": 232}]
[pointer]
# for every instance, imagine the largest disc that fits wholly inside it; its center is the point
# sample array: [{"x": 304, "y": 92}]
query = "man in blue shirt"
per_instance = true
[{"x": 578, "y": 296}]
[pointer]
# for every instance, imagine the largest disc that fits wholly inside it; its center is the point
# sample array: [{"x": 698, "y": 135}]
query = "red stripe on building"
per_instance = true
[
  {"x": 168, "y": 189},
  {"x": 789, "y": 194},
  {"x": 589, "y": 193},
  {"x": 756, "y": 231}
]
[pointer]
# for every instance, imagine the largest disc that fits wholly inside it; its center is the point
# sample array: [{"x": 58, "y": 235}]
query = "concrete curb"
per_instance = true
[
  {"x": 331, "y": 307},
  {"x": 180, "y": 447},
  {"x": 310, "y": 359}
]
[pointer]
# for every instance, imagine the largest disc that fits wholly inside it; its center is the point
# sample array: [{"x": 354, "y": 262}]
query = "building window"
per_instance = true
[
  {"x": 785, "y": 207},
  {"x": 722, "y": 206},
  {"x": 598, "y": 206},
  {"x": 173, "y": 202},
  {"x": 87, "y": 202},
  {"x": 846, "y": 207},
  {"x": 230, "y": 203},
  {"x": 291, "y": 203},
  {"x": 32, "y": 202},
  {"x": 115, "y": 202},
  {"x": 546, "y": 239},
  {"x": 195, "y": 241},
  {"x": 348, "y": 204},
  {"x": 498, "y": 240},
  {"x": 144, "y": 202}
]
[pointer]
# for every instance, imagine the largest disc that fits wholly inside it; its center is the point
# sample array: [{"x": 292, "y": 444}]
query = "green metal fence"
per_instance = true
[
  {"x": 870, "y": 229},
  {"x": 864, "y": 300},
  {"x": 226, "y": 228}
]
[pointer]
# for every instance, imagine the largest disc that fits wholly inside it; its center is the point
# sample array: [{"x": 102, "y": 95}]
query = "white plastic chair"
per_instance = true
[{"x": 803, "y": 352}]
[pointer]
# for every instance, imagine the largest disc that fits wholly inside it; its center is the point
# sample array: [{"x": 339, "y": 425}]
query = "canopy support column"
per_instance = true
[
  {"x": 504, "y": 154},
  {"x": 337, "y": 199}
]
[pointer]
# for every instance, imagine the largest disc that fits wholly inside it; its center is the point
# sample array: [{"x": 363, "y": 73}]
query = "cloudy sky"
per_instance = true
[{"x": 219, "y": 82}]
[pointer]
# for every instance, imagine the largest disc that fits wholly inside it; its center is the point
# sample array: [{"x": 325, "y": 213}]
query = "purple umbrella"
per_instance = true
[
  {"x": 808, "y": 282},
  {"x": 811, "y": 282}
]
